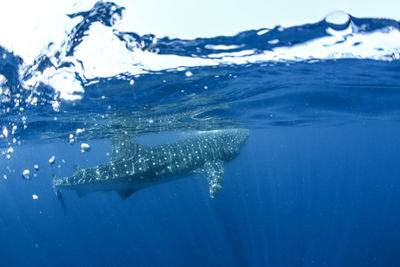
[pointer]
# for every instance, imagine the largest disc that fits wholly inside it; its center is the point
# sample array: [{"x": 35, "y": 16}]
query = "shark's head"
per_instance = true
[
  {"x": 232, "y": 140},
  {"x": 242, "y": 135},
  {"x": 238, "y": 135}
]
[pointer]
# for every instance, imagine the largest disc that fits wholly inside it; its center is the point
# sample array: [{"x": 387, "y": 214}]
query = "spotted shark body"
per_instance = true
[{"x": 133, "y": 166}]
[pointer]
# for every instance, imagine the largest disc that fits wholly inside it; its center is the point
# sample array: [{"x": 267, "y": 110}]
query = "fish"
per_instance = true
[{"x": 133, "y": 166}]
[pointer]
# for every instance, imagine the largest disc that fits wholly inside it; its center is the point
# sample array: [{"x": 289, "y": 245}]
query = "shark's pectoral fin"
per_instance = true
[
  {"x": 214, "y": 171},
  {"x": 124, "y": 194}
]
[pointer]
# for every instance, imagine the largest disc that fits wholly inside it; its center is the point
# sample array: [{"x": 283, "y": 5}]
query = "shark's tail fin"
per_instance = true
[
  {"x": 61, "y": 200},
  {"x": 56, "y": 191}
]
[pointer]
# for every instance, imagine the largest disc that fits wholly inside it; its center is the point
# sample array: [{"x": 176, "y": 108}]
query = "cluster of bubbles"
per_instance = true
[
  {"x": 26, "y": 174},
  {"x": 8, "y": 135}
]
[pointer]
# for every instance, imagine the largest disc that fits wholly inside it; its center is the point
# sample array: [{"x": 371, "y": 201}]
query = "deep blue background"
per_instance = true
[{"x": 295, "y": 196}]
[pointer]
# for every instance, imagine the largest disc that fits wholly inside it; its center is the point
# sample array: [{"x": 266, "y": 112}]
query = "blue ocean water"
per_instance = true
[{"x": 316, "y": 184}]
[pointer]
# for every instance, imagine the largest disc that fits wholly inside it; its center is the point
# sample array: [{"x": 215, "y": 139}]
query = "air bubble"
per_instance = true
[
  {"x": 337, "y": 18},
  {"x": 26, "y": 174},
  {"x": 339, "y": 23},
  {"x": 85, "y": 147},
  {"x": 52, "y": 159},
  {"x": 5, "y": 132}
]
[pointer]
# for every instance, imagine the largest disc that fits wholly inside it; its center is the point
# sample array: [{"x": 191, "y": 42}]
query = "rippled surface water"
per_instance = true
[{"x": 317, "y": 182}]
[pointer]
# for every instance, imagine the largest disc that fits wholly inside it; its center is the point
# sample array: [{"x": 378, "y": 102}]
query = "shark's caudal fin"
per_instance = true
[
  {"x": 56, "y": 191},
  {"x": 61, "y": 200},
  {"x": 214, "y": 172}
]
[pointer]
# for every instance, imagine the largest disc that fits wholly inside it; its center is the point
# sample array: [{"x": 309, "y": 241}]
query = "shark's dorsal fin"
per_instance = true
[
  {"x": 76, "y": 168},
  {"x": 124, "y": 194},
  {"x": 125, "y": 148},
  {"x": 214, "y": 172}
]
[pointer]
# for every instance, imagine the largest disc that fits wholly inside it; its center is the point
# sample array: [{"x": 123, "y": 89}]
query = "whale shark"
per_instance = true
[{"x": 134, "y": 166}]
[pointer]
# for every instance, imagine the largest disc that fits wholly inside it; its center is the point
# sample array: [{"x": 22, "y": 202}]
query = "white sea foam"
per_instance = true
[
  {"x": 102, "y": 54},
  {"x": 108, "y": 57}
]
